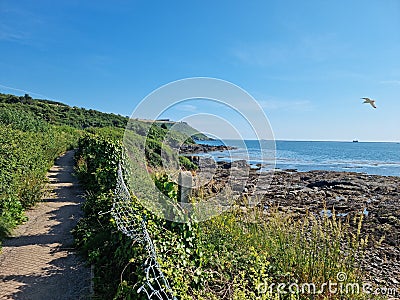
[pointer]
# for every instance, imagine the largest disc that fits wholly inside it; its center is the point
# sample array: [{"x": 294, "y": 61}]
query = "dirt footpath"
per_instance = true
[{"x": 39, "y": 262}]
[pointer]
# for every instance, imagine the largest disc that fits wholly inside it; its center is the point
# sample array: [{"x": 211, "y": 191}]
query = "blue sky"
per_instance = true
[{"x": 307, "y": 63}]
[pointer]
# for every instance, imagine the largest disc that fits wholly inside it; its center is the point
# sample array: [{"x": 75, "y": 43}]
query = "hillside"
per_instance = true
[
  {"x": 182, "y": 127},
  {"x": 14, "y": 108},
  {"x": 55, "y": 113}
]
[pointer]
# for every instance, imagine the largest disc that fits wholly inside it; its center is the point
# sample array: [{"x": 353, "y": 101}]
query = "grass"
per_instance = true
[{"x": 248, "y": 254}]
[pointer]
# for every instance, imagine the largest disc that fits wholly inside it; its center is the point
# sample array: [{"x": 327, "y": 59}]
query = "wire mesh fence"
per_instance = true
[{"x": 130, "y": 222}]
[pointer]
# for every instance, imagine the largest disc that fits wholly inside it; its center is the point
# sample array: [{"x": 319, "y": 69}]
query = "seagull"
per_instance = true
[{"x": 370, "y": 101}]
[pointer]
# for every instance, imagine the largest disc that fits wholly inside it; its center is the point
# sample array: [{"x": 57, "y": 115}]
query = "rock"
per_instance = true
[
  {"x": 240, "y": 164},
  {"x": 290, "y": 170},
  {"x": 318, "y": 184},
  {"x": 198, "y": 148}
]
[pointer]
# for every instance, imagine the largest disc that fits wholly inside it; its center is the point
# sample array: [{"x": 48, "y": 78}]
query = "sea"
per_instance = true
[{"x": 375, "y": 158}]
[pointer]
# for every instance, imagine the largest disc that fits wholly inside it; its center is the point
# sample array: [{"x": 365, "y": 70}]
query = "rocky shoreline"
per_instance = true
[
  {"x": 348, "y": 194},
  {"x": 199, "y": 148},
  {"x": 323, "y": 192}
]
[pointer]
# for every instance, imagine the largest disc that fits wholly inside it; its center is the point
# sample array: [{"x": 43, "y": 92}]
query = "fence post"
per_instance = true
[{"x": 185, "y": 186}]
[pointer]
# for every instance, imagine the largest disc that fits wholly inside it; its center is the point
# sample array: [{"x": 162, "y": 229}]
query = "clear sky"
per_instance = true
[{"x": 307, "y": 63}]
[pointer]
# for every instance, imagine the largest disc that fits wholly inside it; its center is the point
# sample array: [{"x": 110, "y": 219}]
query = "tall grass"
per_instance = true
[{"x": 248, "y": 254}]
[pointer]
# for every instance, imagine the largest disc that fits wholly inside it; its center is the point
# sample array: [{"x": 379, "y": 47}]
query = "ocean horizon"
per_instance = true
[{"x": 373, "y": 158}]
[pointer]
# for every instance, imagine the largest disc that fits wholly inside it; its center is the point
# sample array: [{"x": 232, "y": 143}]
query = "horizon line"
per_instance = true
[{"x": 311, "y": 140}]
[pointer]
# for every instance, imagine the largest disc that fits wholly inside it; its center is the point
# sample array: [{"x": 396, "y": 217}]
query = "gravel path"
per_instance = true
[{"x": 39, "y": 262}]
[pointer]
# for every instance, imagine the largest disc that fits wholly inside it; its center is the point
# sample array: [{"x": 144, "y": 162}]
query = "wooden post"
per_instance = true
[{"x": 185, "y": 186}]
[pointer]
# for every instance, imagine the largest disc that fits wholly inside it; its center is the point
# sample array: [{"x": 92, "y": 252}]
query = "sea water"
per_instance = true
[{"x": 375, "y": 158}]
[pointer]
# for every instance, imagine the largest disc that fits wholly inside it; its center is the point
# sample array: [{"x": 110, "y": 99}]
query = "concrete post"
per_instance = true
[{"x": 185, "y": 186}]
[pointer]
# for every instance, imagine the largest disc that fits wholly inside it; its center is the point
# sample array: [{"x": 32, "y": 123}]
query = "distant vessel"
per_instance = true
[{"x": 355, "y": 141}]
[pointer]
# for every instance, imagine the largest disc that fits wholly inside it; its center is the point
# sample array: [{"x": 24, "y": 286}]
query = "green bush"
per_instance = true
[
  {"x": 25, "y": 157},
  {"x": 186, "y": 164},
  {"x": 56, "y": 113},
  {"x": 99, "y": 157},
  {"x": 22, "y": 120}
]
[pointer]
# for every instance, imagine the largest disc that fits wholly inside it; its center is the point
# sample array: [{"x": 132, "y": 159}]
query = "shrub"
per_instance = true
[
  {"x": 186, "y": 164},
  {"x": 25, "y": 157}
]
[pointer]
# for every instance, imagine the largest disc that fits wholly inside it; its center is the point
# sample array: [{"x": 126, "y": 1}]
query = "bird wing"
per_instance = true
[{"x": 370, "y": 101}]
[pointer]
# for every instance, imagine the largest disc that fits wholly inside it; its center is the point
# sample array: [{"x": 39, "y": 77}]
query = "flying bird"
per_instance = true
[{"x": 370, "y": 101}]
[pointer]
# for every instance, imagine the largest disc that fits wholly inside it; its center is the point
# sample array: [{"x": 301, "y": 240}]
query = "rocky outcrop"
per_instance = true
[{"x": 198, "y": 148}]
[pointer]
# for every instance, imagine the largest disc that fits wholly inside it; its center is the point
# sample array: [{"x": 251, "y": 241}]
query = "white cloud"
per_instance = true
[{"x": 391, "y": 82}]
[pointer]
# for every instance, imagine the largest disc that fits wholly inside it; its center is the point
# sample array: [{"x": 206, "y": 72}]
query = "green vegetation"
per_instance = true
[
  {"x": 187, "y": 164},
  {"x": 28, "y": 146},
  {"x": 237, "y": 255},
  {"x": 57, "y": 113},
  {"x": 183, "y": 127},
  {"x": 25, "y": 157},
  {"x": 249, "y": 254}
]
